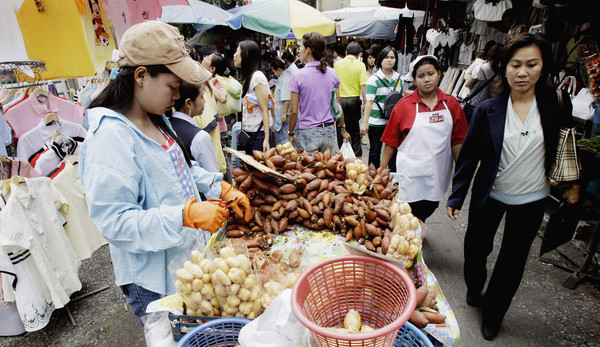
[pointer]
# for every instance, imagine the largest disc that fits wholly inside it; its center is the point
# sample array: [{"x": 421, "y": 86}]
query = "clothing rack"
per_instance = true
[{"x": 19, "y": 74}]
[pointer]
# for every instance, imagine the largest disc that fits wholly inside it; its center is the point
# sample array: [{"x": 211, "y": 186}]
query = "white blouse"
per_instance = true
[{"x": 521, "y": 176}]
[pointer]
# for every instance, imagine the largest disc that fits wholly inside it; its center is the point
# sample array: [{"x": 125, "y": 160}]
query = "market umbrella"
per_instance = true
[
  {"x": 278, "y": 17},
  {"x": 195, "y": 12}
]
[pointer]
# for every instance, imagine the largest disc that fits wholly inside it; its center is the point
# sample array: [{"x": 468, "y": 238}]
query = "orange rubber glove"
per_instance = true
[
  {"x": 204, "y": 215},
  {"x": 241, "y": 204}
]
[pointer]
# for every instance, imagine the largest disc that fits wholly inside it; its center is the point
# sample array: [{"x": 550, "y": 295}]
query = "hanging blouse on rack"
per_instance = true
[
  {"x": 490, "y": 10},
  {"x": 35, "y": 139},
  {"x": 49, "y": 159},
  {"x": 25, "y": 115},
  {"x": 16, "y": 167},
  {"x": 5, "y": 134},
  {"x": 82, "y": 232},
  {"x": 33, "y": 236}
]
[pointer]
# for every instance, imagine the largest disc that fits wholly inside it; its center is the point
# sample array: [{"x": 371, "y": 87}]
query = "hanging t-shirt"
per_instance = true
[
  {"x": 12, "y": 46},
  {"x": 101, "y": 42},
  {"x": 56, "y": 36},
  {"x": 119, "y": 14}
]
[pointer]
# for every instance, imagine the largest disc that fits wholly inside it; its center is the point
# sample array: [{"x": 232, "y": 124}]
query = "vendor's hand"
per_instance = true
[
  {"x": 204, "y": 215},
  {"x": 364, "y": 129},
  {"x": 292, "y": 139},
  {"x": 453, "y": 212},
  {"x": 345, "y": 135},
  {"x": 240, "y": 205},
  {"x": 266, "y": 145},
  {"x": 571, "y": 195}
]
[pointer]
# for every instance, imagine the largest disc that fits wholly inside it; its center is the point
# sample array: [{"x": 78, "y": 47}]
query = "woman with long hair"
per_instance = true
[
  {"x": 256, "y": 118},
  {"x": 370, "y": 60},
  {"x": 510, "y": 145},
  {"x": 310, "y": 104},
  {"x": 142, "y": 188}
]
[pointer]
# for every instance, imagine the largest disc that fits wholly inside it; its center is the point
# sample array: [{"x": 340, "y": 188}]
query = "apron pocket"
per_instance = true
[{"x": 414, "y": 165}]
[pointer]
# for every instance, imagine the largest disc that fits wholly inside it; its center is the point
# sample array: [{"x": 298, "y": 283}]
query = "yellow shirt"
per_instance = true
[
  {"x": 101, "y": 42},
  {"x": 352, "y": 74},
  {"x": 56, "y": 36},
  {"x": 207, "y": 116}
]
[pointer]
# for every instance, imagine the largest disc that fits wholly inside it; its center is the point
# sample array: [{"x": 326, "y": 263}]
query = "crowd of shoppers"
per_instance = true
[{"x": 154, "y": 184}]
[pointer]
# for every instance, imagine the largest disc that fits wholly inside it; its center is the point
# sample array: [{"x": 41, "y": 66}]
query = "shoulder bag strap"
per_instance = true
[
  {"x": 391, "y": 90},
  {"x": 476, "y": 91}
]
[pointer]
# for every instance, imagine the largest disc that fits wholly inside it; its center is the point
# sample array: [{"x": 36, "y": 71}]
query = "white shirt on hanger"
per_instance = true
[
  {"x": 34, "y": 140},
  {"x": 30, "y": 222}
]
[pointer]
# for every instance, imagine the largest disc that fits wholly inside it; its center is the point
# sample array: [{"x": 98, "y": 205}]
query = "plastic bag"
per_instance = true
[
  {"x": 347, "y": 151},
  {"x": 234, "y": 92},
  {"x": 157, "y": 330},
  {"x": 276, "y": 327},
  {"x": 234, "y": 280},
  {"x": 583, "y": 104}
]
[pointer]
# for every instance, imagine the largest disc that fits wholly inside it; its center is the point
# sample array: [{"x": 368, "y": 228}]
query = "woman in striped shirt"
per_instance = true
[{"x": 378, "y": 86}]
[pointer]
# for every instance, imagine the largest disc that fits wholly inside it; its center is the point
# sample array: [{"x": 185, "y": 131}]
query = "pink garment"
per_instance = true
[
  {"x": 119, "y": 15},
  {"x": 25, "y": 115},
  {"x": 222, "y": 124},
  {"x": 142, "y": 10},
  {"x": 17, "y": 167}
]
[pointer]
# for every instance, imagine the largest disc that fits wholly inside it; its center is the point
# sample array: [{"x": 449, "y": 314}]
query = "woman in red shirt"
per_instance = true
[{"x": 425, "y": 131}]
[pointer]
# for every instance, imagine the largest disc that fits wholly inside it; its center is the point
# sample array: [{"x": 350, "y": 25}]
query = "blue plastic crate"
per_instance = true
[
  {"x": 220, "y": 332},
  {"x": 409, "y": 336}
]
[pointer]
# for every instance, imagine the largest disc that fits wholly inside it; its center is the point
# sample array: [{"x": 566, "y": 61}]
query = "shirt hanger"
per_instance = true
[
  {"x": 6, "y": 183},
  {"x": 51, "y": 118}
]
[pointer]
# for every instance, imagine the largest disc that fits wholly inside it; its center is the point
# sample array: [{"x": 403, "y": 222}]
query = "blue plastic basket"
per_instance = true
[
  {"x": 409, "y": 335},
  {"x": 219, "y": 332}
]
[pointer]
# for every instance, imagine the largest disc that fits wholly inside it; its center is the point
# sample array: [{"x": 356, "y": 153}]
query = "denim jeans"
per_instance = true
[
  {"x": 281, "y": 136},
  {"x": 139, "y": 298},
  {"x": 316, "y": 139}
]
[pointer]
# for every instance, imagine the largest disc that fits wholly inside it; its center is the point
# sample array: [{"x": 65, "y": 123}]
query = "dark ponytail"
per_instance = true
[
  {"x": 118, "y": 96},
  {"x": 316, "y": 42}
]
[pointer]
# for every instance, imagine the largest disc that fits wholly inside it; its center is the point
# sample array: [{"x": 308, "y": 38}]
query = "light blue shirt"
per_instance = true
[
  {"x": 136, "y": 200},
  {"x": 5, "y": 134},
  {"x": 282, "y": 94}
]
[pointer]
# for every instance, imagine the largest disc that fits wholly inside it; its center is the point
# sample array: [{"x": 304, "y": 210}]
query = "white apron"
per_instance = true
[{"x": 424, "y": 159}]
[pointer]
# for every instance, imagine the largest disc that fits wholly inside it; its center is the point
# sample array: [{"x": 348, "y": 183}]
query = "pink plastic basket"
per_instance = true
[{"x": 382, "y": 293}]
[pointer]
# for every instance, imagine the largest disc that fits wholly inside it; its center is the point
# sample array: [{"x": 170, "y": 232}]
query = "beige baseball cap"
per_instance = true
[{"x": 158, "y": 43}]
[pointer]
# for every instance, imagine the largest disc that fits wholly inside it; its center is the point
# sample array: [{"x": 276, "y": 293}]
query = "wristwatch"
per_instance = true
[{"x": 291, "y": 133}]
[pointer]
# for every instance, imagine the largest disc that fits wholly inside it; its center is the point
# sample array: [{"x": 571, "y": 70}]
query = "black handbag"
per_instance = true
[
  {"x": 560, "y": 227},
  {"x": 246, "y": 140}
]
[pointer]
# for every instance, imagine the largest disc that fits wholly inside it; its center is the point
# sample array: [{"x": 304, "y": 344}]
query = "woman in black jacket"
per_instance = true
[{"x": 512, "y": 138}]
